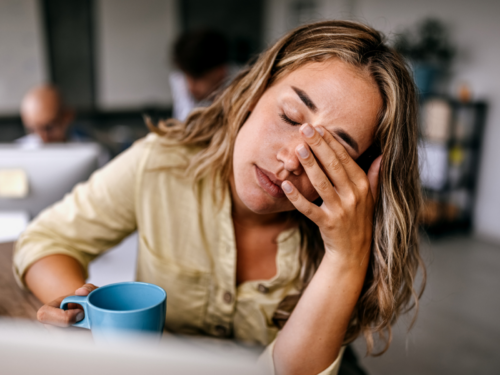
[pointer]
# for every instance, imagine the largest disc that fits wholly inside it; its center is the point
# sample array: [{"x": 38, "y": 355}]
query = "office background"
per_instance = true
[{"x": 111, "y": 58}]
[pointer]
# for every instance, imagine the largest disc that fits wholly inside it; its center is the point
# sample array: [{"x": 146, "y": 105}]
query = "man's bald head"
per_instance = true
[{"x": 44, "y": 113}]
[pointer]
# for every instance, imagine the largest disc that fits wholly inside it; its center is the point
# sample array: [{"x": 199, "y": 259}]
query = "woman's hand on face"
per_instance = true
[
  {"x": 345, "y": 218},
  {"x": 53, "y": 315}
]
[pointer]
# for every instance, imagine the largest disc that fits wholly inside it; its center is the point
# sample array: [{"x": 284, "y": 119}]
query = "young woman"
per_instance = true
[{"x": 254, "y": 215}]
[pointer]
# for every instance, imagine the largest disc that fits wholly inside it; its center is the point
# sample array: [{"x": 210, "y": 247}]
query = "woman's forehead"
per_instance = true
[
  {"x": 341, "y": 93},
  {"x": 332, "y": 76}
]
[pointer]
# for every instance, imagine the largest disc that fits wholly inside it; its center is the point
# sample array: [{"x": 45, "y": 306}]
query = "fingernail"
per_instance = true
[
  {"x": 287, "y": 187},
  {"x": 79, "y": 316},
  {"x": 320, "y": 131},
  {"x": 308, "y": 131},
  {"x": 303, "y": 151}
]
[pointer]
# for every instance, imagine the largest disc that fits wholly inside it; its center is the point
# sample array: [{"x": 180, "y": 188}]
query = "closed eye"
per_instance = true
[{"x": 286, "y": 119}]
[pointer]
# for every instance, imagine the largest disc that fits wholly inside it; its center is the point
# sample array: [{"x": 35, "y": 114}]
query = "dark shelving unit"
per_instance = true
[{"x": 450, "y": 148}]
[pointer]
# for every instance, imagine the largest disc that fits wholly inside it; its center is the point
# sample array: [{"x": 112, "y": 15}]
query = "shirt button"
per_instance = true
[
  {"x": 262, "y": 288},
  {"x": 228, "y": 297},
  {"x": 220, "y": 331}
]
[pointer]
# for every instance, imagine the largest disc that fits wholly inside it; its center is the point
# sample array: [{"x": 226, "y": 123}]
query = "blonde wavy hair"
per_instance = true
[{"x": 389, "y": 288}]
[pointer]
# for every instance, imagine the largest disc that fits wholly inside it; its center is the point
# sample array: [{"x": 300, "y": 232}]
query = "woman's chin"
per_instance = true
[{"x": 267, "y": 205}]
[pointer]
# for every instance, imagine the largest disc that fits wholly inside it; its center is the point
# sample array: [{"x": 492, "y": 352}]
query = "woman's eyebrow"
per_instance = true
[
  {"x": 346, "y": 138},
  {"x": 340, "y": 132},
  {"x": 305, "y": 99}
]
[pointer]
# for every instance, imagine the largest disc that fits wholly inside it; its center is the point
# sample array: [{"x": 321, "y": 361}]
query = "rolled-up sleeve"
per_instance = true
[
  {"x": 94, "y": 217},
  {"x": 266, "y": 361}
]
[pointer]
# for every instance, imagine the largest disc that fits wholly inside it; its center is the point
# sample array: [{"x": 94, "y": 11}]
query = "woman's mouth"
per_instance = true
[{"x": 266, "y": 179}]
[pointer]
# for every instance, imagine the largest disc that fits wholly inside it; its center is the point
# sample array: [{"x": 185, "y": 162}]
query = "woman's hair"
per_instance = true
[{"x": 389, "y": 285}]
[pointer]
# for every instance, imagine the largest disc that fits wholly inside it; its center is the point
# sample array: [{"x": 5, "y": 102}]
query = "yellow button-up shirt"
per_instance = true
[{"x": 186, "y": 243}]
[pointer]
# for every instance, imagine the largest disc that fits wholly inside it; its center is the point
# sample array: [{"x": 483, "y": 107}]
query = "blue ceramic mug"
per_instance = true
[{"x": 115, "y": 309}]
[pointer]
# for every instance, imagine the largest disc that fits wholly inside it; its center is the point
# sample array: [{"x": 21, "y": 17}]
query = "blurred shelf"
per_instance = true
[{"x": 449, "y": 151}]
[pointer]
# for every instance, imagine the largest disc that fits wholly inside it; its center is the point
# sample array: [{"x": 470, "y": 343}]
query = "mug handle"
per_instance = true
[{"x": 81, "y": 300}]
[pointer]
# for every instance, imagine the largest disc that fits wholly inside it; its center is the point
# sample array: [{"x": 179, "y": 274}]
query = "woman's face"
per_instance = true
[{"x": 339, "y": 97}]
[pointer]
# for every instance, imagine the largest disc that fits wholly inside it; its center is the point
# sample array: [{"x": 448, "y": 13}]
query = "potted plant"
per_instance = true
[{"x": 428, "y": 48}]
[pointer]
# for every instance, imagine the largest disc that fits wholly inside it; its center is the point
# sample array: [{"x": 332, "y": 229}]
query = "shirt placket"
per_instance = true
[{"x": 221, "y": 306}]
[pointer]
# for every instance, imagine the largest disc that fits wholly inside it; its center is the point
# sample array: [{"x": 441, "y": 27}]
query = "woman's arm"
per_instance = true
[
  {"x": 52, "y": 279},
  {"x": 51, "y": 256},
  {"x": 313, "y": 336},
  {"x": 96, "y": 216},
  {"x": 54, "y": 276}
]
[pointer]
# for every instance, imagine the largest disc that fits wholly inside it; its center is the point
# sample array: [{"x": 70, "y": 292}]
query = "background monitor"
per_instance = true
[{"x": 52, "y": 171}]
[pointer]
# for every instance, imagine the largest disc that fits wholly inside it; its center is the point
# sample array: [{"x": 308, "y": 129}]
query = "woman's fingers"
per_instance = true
[
  {"x": 53, "y": 315},
  {"x": 317, "y": 176},
  {"x": 85, "y": 290},
  {"x": 352, "y": 169},
  {"x": 332, "y": 166},
  {"x": 373, "y": 177},
  {"x": 307, "y": 208}
]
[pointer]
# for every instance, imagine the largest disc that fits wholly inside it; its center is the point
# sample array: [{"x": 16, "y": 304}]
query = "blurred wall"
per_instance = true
[
  {"x": 476, "y": 30},
  {"x": 133, "y": 40},
  {"x": 22, "y": 57},
  {"x": 283, "y": 15}
]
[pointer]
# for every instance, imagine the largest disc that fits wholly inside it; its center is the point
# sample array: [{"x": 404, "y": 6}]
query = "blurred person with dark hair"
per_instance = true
[
  {"x": 45, "y": 116},
  {"x": 202, "y": 57}
]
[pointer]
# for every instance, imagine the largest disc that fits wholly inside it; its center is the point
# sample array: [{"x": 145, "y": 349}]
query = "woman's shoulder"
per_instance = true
[{"x": 165, "y": 153}]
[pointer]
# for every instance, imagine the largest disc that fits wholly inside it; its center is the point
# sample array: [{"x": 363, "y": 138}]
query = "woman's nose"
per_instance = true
[{"x": 287, "y": 156}]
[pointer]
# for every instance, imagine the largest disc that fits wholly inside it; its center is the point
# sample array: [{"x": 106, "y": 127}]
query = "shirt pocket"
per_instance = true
[{"x": 187, "y": 290}]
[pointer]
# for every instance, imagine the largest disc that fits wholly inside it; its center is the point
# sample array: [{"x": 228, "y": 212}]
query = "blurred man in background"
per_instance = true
[
  {"x": 45, "y": 117},
  {"x": 202, "y": 57}
]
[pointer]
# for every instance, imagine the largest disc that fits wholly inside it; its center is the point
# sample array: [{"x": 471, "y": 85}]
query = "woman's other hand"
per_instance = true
[
  {"x": 345, "y": 217},
  {"x": 50, "y": 313}
]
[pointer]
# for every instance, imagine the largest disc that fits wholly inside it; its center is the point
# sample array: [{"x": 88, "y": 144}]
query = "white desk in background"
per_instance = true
[{"x": 12, "y": 223}]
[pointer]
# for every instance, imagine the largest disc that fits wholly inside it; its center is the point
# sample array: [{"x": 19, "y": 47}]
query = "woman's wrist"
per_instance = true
[
  {"x": 321, "y": 316},
  {"x": 347, "y": 262},
  {"x": 343, "y": 274}
]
